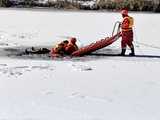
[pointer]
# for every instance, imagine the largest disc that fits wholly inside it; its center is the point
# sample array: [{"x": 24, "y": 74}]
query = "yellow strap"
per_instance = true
[
  {"x": 127, "y": 29},
  {"x": 131, "y": 22}
]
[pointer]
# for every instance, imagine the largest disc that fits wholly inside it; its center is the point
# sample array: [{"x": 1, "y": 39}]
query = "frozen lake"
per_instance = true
[{"x": 86, "y": 88}]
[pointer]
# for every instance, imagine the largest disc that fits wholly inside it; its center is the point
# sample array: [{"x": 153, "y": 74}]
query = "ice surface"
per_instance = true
[{"x": 86, "y": 88}]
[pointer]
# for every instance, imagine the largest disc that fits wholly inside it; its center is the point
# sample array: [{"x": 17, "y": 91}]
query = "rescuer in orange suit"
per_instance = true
[
  {"x": 66, "y": 47},
  {"x": 127, "y": 33},
  {"x": 59, "y": 49},
  {"x": 71, "y": 46}
]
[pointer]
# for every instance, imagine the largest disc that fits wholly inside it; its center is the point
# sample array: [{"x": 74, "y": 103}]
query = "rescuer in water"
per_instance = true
[{"x": 66, "y": 47}]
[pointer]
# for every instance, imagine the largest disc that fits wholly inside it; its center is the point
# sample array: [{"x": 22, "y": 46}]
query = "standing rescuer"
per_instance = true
[{"x": 127, "y": 33}]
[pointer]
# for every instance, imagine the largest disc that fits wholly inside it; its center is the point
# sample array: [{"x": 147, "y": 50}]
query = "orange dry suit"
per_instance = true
[
  {"x": 127, "y": 32},
  {"x": 58, "y": 50},
  {"x": 70, "y": 48}
]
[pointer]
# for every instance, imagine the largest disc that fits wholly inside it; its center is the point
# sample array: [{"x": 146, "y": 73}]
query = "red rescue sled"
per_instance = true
[{"x": 97, "y": 45}]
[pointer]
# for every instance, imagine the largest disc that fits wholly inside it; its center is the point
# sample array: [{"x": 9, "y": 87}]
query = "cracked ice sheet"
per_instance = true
[
  {"x": 96, "y": 89},
  {"x": 44, "y": 91}
]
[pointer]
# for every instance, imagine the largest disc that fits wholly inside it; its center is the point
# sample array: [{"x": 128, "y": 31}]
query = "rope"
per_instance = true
[
  {"x": 136, "y": 38},
  {"x": 144, "y": 44},
  {"x": 147, "y": 45}
]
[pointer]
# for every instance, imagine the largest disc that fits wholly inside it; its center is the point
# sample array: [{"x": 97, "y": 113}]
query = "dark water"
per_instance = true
[
  {"x": 106, "y": 53},
  {"x": 20, "y": 53}
]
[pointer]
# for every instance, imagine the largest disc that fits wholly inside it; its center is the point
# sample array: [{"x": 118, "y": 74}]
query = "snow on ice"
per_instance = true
[{"x": 85, "y": 88}]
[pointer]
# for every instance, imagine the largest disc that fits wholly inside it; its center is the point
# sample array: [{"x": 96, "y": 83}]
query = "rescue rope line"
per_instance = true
[
  {"x": 144, "y": 44},
  {"x": 136, "y": 41},
  {"x": 147, "y": 45}
]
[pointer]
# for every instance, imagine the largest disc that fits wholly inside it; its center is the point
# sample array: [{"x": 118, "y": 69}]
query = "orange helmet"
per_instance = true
[
  {"x": 124, "y": 12},
  {"x": 73, "y": 40}
]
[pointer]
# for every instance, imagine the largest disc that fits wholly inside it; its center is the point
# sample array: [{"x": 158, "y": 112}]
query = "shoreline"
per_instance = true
[{"x": 51, "y": 9}]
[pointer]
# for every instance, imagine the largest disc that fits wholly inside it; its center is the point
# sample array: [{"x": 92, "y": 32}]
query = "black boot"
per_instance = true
[
  {"x": 132, "y": 52},
  {"x": 123, "y": 52}
]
